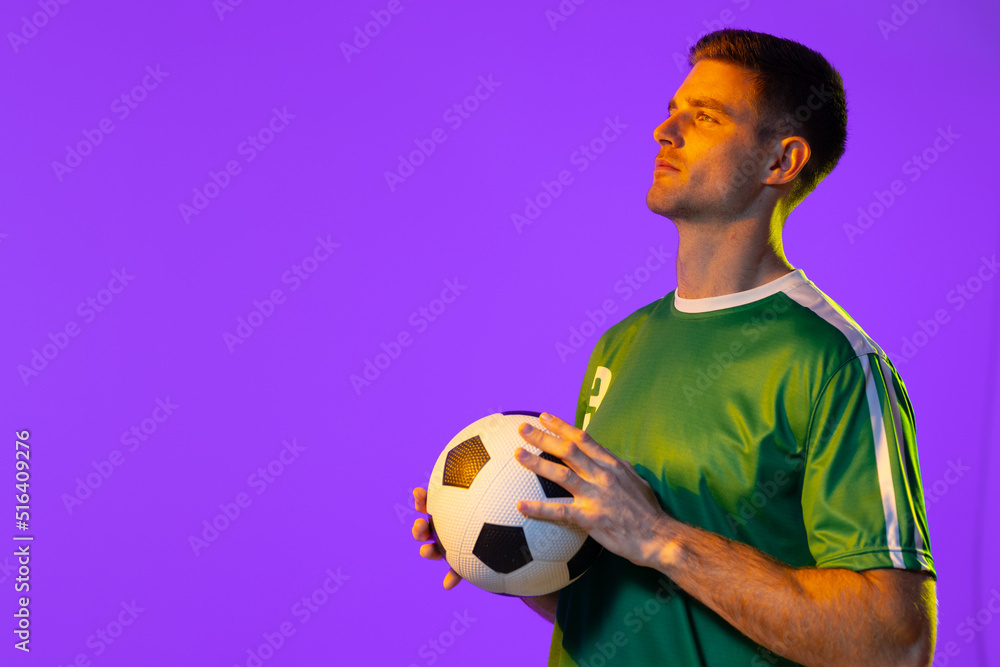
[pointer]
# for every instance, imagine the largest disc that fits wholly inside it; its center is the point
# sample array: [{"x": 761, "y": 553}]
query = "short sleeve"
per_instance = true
[
  {"x": 587, "y": 402},
  {"x": 862, "y": 499}
]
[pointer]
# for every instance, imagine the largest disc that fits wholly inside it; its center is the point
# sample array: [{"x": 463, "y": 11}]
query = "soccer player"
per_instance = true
[{"x": 742, "y": 449}]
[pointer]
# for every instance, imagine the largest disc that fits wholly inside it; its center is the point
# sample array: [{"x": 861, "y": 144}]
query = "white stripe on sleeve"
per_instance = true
[{"x": 884, "y": 467}]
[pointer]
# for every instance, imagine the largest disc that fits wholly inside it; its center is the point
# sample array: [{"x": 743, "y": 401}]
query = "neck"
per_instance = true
[{"x": 719, "y": 259}]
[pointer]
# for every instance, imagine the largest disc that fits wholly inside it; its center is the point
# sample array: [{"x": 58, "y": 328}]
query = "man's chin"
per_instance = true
[{"x": 659, "y": 205}]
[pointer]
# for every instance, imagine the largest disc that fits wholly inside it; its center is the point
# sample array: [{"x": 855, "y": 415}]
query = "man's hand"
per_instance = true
[
  {"x": 544, "y": 605},
  {"x": 611, "y": 501},
  {"x": 813, "y": 616},
  {"x": 422, "y": 532}
]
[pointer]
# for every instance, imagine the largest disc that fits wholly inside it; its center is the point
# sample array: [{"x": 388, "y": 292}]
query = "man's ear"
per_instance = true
[{"x": 788, "y": 158}]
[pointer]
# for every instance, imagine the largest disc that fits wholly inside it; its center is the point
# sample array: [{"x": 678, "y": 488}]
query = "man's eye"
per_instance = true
[{"x": 699, "y": 116}]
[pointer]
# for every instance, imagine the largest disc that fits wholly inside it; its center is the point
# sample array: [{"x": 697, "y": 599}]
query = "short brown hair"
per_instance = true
[{"x": 787, "y": 77}]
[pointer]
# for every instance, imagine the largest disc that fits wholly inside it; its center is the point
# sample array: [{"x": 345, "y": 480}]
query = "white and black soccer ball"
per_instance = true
[{"x": 472, "y": 499}]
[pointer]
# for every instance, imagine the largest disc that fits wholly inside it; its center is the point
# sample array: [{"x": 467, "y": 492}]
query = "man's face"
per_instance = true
[{"x": 707, "y": 146}]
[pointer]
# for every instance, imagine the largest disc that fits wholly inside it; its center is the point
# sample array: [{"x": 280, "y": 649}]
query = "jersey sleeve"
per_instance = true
[
  {"x": 862, "y": 499},
  {"x": 584, "y": 403}
]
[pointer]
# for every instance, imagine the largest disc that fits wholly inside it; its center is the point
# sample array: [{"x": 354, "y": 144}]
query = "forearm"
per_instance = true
[
  {"x": 814, "y": 616},
  {"x": 545, "y": 605}
]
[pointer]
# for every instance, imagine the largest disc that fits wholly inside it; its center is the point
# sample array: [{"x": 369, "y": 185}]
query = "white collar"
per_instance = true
[{"x": 710, "y": 303}]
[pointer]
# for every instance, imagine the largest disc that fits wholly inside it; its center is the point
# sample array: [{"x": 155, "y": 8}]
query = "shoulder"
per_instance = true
[
  {"x": 828, "y": 326},
  {"x": 632, "y": 322}
]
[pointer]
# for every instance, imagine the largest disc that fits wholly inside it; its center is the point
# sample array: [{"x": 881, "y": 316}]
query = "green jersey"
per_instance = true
[{"x": 766, "y": 416}]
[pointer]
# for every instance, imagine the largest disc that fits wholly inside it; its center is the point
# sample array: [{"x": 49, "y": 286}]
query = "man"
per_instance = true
[{"x": 742, "y": 449}]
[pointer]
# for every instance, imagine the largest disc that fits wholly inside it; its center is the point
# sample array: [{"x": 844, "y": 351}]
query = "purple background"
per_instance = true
[{"x": 344, "y": 503}]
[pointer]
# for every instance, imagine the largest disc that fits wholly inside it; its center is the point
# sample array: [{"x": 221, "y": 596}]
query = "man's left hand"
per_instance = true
[{"x": 611, "y": 501}]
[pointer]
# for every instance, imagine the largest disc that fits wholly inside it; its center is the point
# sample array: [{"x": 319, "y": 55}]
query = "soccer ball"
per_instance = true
[{"x": 472, "y": 499}]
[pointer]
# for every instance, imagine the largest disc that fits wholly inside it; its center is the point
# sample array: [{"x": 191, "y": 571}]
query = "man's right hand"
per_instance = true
[
  {"x": 545, "y": 605},
  {"x": 422, "y": 533}
]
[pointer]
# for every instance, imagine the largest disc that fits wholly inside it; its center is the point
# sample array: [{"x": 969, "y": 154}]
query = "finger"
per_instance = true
[
  {"x": 547, "y": 511},
  {"x": 566, "y": 450},
  {"x": 556, "y": 472},
  {"x": 567, "y": 431},
  {"x": 421, "y": 530},
  {"x": 452, "y": 579},
  {"x": 430, "y": 551},
  {"x": 420, "y": 499}
]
